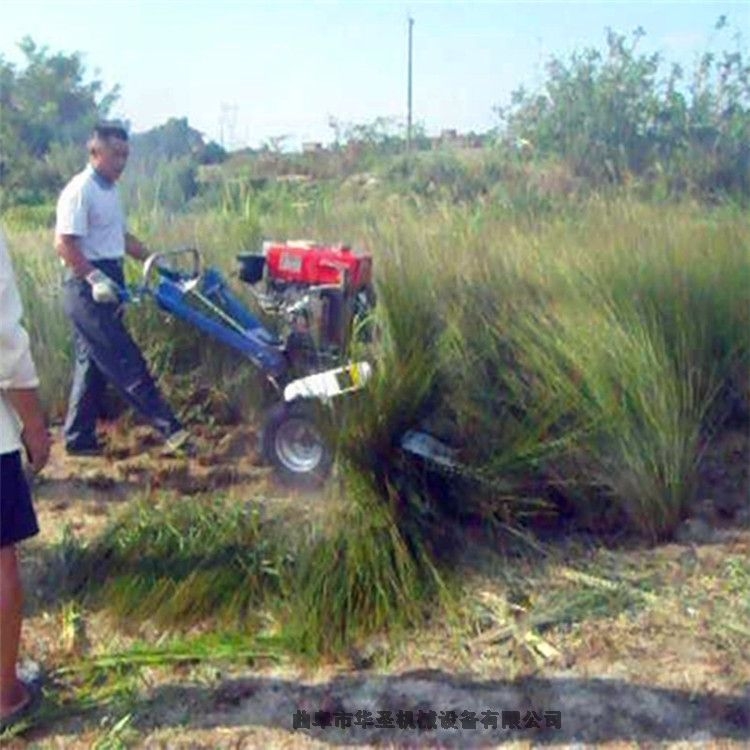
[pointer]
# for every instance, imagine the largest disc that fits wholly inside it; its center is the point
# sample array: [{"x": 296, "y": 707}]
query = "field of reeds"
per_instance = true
[
  {"x": 585, "y": 356},
  {"x": 582, "y": 361}
]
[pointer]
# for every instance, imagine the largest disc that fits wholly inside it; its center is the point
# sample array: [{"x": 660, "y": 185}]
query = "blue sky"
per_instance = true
[{"x": 244, "y": 71}]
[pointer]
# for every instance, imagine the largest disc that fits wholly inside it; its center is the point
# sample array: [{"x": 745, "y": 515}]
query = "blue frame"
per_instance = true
[{"x": 255, "y": 342}]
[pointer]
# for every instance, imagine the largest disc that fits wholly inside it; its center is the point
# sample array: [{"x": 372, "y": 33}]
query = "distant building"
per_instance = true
[
  {"x": 312, "y": 147},
  {"x": 451, "y": 138}
]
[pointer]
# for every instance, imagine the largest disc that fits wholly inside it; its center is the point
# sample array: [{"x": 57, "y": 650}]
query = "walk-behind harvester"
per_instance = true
[{"x": 314, "y": 296}]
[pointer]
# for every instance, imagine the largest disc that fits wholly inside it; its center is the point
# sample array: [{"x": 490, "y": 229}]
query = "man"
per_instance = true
[
  {"x": 92, "y": 240},
  {"x": 21, "y": 425}
]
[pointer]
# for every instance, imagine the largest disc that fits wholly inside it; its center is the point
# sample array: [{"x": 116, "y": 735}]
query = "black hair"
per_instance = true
[{"x": 106, "y": 130}]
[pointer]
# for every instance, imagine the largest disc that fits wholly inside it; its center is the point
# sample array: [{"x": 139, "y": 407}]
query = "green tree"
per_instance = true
[
  {"x": 163, "y": 166},
  {"x": 616, "y": 114},
  {"x": 47, "y": 109},
  {"x": 174, "y": 139}
]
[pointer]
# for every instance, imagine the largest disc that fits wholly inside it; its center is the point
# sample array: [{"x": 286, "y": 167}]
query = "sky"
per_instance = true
[{"x": 244, "y": 72}]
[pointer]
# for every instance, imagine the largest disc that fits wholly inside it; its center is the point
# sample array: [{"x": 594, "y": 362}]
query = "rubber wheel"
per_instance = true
[{"x": 293, "y": 443}]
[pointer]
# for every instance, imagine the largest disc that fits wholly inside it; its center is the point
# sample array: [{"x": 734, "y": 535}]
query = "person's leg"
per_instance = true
[
  {"x": 85, "y": 401},
  {"x": 123, "y": 365},
  {"x": 118, "y": 358},
  {"x": 17, "y": 522},
  {"x": 13, "y": 694}
]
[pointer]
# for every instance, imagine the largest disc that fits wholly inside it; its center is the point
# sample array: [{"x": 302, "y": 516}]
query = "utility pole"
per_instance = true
[
  {"x": 408, "y": 120},
  {"x": 227, "y": 125}
]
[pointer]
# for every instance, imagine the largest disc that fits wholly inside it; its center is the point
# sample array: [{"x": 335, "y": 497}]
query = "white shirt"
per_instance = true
[
  {"x": 89, "y": 208},
  {"x": 16, "y": 365}
]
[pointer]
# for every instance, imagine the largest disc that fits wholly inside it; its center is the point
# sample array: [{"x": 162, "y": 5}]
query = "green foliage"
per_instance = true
[
  {"x": 578, "y": 359},
  {"x": 608, "y": 117},
  {"x": 48, "y": 110},
  {"x": 362, "y": 577},
  {"x": 168, "y": 187},
  {"x": 442, "y": 175},
  {"x": 189, "y": 562},
  {"x": 184, "y": 562},
  {"x": 162, "y": 173},
  {"x": 484, "y": 318},
  {"x": 632, "y": 421},
  {"x": 39, "y": 276},
  {"x": 29, "y": 217},
  {"x": 595, "y": 366},
  {"x": 212, "y": 153},
  {"x": 590, "y": 350},
  {"x": 615, "y": 115},
  {"x": 173, "y": 140}
]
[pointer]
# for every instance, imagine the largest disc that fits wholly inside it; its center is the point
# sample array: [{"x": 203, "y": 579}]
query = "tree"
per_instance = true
[
  {"x": 47, "y": 110},
  {"x": 212, "y": 153},
  {"x": 174, "y": 139},
  {"x": 615, "y": 114},
  {"x": 163, "y": 165}
]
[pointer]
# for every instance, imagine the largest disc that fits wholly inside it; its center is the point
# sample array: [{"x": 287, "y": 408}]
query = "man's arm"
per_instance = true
[
  {"x": 135, "y": 248},
  {"x": 35, "y": 435},
  {"x": 68, "y": 247}
]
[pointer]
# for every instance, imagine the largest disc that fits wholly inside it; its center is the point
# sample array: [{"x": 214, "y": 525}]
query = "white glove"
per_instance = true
[{"x": 103, "y": 289}]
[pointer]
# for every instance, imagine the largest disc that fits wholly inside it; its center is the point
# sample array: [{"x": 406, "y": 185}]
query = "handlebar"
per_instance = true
[{"x": 152, "y": 262}]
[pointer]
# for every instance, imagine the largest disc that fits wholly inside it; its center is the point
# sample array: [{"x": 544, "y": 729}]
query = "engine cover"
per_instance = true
[{"x": 311, "y": 264}]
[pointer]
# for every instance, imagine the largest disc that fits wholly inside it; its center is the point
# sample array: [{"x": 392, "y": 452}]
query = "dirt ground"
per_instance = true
[{"x": 659, "y": 653}]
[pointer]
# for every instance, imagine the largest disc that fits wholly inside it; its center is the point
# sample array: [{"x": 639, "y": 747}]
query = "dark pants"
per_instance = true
[{"x": 105, "y": 352}]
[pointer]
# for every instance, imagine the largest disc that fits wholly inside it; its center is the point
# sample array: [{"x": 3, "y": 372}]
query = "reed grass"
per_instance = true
[
  {"x": 184, "y": 562},
  {"x": 362, "y": 576},
  {"x": 593, "y": 349}
]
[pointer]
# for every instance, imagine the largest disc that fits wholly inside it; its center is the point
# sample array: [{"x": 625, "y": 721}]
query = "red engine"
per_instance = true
[
  {"x": 311, "y": 264},
  {"x": 319, "y": 291}
]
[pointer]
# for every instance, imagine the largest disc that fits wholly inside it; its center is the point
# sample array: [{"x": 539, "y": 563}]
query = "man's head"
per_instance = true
[{"x": 108, "y": 150}]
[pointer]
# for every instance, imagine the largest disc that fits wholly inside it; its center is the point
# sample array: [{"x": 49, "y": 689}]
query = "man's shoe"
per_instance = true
[
  {"x": 84, "y": 450},
  {"x": 179, "y": 444}
]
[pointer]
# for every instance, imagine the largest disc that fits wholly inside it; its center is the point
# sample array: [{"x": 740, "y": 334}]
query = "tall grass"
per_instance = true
[
  {"x": 629, "y": 435},
  {"x": 315, "y": 589},
  {"x": 590, "y": 355},
  {"x": 638, "y": 322},
  {"x": 587, "y": 354},
  {"x": 579, "y": 361},
  {"x": 185, "y": 562},
  {"x": 39, "y": 276},
  {"x": 362, "y": 576}
]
